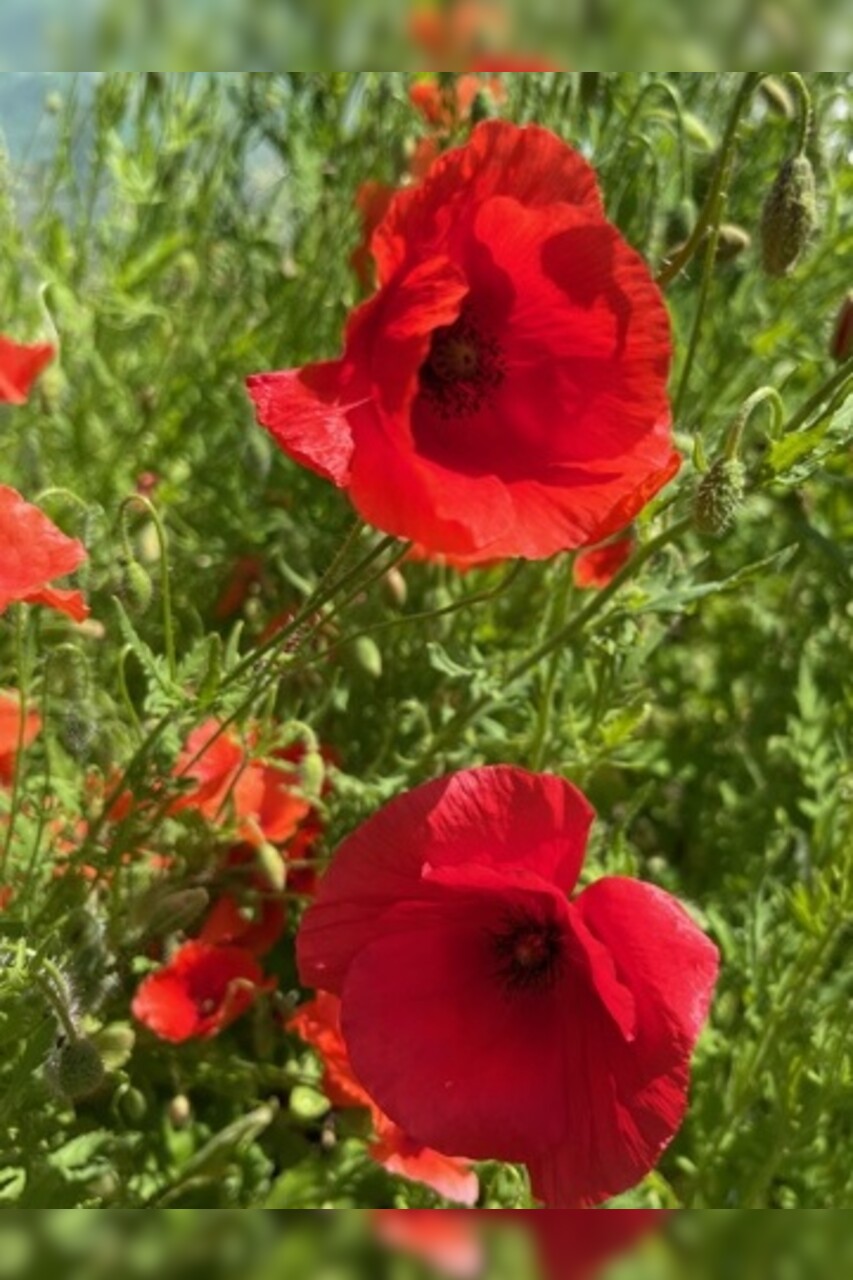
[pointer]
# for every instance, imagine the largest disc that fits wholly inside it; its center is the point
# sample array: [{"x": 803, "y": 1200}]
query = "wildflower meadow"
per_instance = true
[{"x": 426, "y": 552}]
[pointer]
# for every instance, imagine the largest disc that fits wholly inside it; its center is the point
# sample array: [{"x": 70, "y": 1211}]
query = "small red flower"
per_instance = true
[
  {"x": 451, "y": 1241},
  {"x": 572, "y": 1245},
  {"x": 598, "y": 566},
  {"x": 255, "y": 927},
  {"x": 32, "y": 553},
  {"x": 318, "y": 1024},
  {"x": 19, "y": 368},
  {"x": 230, "y": 779},
  {"x": 200, "y": 992},
  {"x": 505, "y": 391},
  {"x": 7, "y": 893},
  {"x": 13, "y": 735},
  {"x": 489, "y": 1014},
  {"x": 513, "y": 64}
]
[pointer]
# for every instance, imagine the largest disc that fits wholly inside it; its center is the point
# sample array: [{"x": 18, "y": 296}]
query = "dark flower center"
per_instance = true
[
  {"x": 464, "y": 368},
  {"x": 530, "y": 953}
]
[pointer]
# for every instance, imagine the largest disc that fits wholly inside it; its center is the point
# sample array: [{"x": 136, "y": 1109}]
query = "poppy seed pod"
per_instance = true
[
  {"x": 790, "y": 216},
  {"x": 719, "y": 497}
]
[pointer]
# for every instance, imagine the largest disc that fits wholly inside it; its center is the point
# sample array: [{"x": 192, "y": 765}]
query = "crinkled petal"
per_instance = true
[{"x": 498, "y": 817}]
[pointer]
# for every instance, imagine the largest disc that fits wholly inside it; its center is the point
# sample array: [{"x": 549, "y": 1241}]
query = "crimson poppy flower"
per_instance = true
[
  {"x": 14, "y": 735},
  {"x": 227, "y": 774},
  {"x": 200, "y": 992},
  {"x": 489, "y": 1014},
  {"x": 572, "y": 1245},
  {"x": 444, "y": 109},
  {"x": 598, "y": 566},
  {"x": 318, "y": 1024},
  {"x": 7, "y": 893},
  {"x": 504, "y": 393},
  {"x": 32, "y": 553},
  {"x": 19, "y": 368},
  {"x": 507, "y": 63}
]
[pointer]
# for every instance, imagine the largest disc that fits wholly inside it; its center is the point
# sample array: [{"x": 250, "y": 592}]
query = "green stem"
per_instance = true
[
  {"x": 712, "y": 208},
  {"x": 17, "y": 769},
  {"x": 559, "y": 640},
  {"x": 837, "y": 382},
  {"x": 806, "y": 108},
  {"x": 765, "y": 395},
  {"x": 165, "y": 577}
]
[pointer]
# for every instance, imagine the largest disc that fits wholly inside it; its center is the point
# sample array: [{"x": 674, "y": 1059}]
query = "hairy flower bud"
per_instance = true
[
  {"x": 733, "y": 242},
  {"x": 79, "y": 1069},
  {"x": 136, "y": 587},
  {"x": 842, "y": 339},
  {"x": 719, "y": 497},
  {"x": 790, "y": 216}
]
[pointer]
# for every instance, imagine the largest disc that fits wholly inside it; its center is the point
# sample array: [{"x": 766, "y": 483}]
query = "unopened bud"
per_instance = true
[
  {"x": 366, "y": 656},
  {"x": 733, "y": 242},
  {"x": 777, "y": 97},
  {"x": 130, "y": 1104},
  {"x": 312, "y": 772},
  {"x": 271, "y": 866},
  {"x": 790, "y": 216},
  {"x": 79, "y": 1070},
  {"x": 162, "y": 914},
  {"x": 136, "y": 587},
  {"x": 719, "y": 497},
  {"x": 842, "y": 340},
  {"x": 395, "y": 587},
  {"x": 180, "y": 1112}
]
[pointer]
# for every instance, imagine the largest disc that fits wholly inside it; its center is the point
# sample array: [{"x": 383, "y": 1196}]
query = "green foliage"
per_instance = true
[{"x": 183, "y": 233}]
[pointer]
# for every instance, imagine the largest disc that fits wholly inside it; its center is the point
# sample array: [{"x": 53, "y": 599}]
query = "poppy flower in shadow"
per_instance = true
[
  {"x": 33, "y": 552},
  {"x": 318, "y": 1024},
  {"x": 491, "y": 1014},
  {"x": 504, "y": 393}
]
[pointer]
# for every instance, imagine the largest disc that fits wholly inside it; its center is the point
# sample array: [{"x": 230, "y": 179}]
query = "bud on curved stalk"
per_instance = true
[
  {"x": 720, "y": 497},
  {"x": 842, "y": 339},
  {"x": 79, "y": 1069},
  {"x": 733, "y": 242},
  {"x": 137, "y": 588},
  {"x": 790, "y": 217}
]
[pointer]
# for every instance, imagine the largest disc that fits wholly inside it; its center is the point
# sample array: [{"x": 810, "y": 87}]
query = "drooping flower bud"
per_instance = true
[
  {"x": 790, "y": 216},
  {"x": 136, "y": 587},
  {"x": 719, "y": 497},
  {"x": 733, "y": 242},
  {"x": 842, "y": 339},
  {"x": 79, "y": 1069}
]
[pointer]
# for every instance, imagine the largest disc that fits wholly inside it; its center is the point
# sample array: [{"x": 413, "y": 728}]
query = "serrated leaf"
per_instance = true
[{"x": 679, "y": 599}]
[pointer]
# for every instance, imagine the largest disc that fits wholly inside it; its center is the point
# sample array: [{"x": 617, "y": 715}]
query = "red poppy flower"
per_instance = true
[
  {"x": 7, "y": 893},
  {"x": 491, "y": 1016},
  {"x": 572, "y": 1245},
  {"x": 19, "y": 368},
  {"x": 32, "y": 553},
  {"x": 444, "y": 110},
  {"x": 318, "y": 1024},
  {"x": 228, "y": 775},
  {"x": 451, "y": 1242},
  {"x": 598, "y": 566},
  {"x": 255, "y": 927},
  {"x": 200, "y": 992},
  {"x": 11, "y": 737},
  {"x": 513, "y": 64},
  {"x": 504, "y": 392}
]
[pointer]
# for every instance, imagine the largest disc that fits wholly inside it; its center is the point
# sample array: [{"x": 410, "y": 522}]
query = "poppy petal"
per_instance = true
[
  {"x": 494, "y": 817},
  {"x": 302, "y": 411},
  {"x": 20, "y": 365}
]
